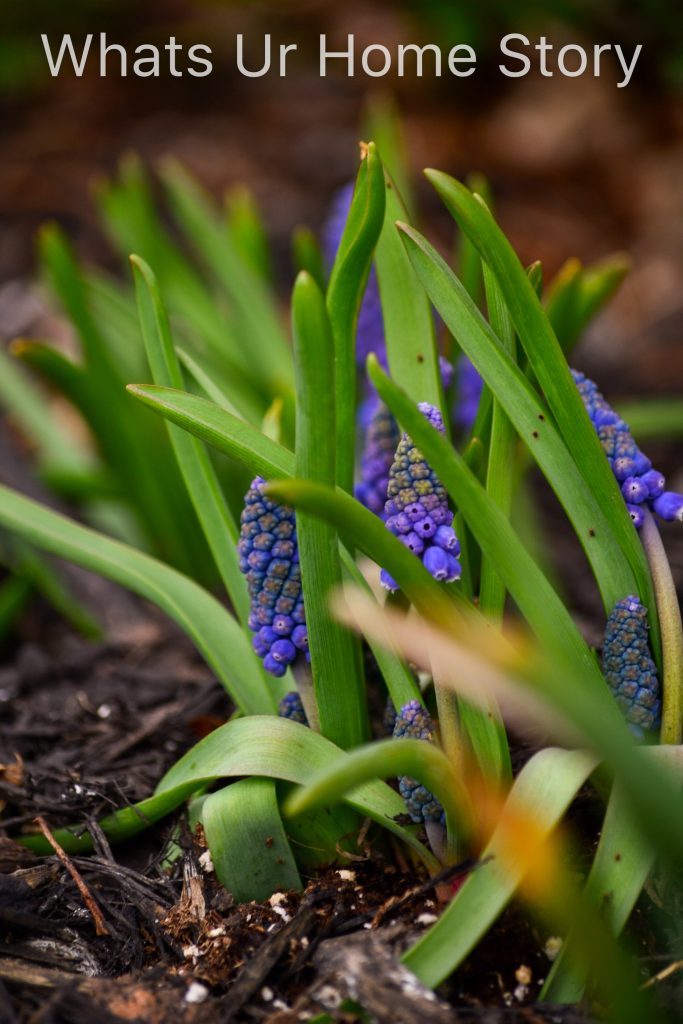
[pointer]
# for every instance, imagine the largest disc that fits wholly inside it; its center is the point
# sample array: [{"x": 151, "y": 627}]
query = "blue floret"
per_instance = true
[
  {"x": 641, "y": 485},
  {"x": 269, "y": 558},
  {"x": 416, "y": 510},
  {"x": 381, "y": 438},
  {"x": 415, "y": 723},
  {"x": 628, "y": 666},
  {"x": 291, "y": 707}
]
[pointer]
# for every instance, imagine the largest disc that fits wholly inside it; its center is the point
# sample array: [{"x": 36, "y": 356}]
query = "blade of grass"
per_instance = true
[
  {"x": 255, "y": 310},
  {"x": 530, "y": 417},
  {"x": 247, "y": 232},
  {"x": 344, "y": 295},
  {"x": 215, "y": 633},
  {"x": 548, "y": 363},
  {"x": 654, "y": 417},
  {"x": 338, "y": 684},
  {"x": 197, "y": 471}
]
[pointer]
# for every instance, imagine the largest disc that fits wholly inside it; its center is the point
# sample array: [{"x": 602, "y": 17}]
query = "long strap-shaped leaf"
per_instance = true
[
  {"x": 200, "y": 478},
  {"x": 246, "y": 816},
  {"x": 549, "y": 365},
  {"x": 214, "y": 631},
  {"x": 344, "y": 295},
  {"x": 544, "y": 789},
  {"x": 335, "y": 660},
  {"x": 529, "y": 415},
  {"x": 412, "y": 353}
]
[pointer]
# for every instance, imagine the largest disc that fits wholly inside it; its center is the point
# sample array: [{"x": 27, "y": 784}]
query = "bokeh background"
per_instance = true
[{"x": 578, "y": 167}]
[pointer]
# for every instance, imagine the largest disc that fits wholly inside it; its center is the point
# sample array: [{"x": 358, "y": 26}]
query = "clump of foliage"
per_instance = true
[{"x": 225, "y": 380}]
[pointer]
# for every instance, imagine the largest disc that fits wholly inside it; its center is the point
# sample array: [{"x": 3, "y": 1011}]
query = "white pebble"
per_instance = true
[
  {"x": 426, "y": 919},
  {"x": 346, "y": 875},
  {"x": 196, "y": 993}
]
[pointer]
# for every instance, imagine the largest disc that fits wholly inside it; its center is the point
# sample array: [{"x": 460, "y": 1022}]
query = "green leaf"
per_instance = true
[
  {"x": 265, "y": 746},
  {"x": 408, "y": 322},
  {"x": 552, "y": 372},
  {"x": 255, "y": 310},
  {"x": 543, "y": 790},
  {"x": 344, "y": 296},
  {"x": 200, "y": 478},
  {"x": 216, "y": 634},
  {"x": 387, "y": 759},
  {"x": 307, "y": 255},
  {"x": 246, "y": 816},
  {"x": 535, "y": 597},
  {"x": 531, "y": 419},
  {"x": 206, "y": 380},
  {"x": 335, "y": 661},
  {"x": 247, "y": 232},
  {"x": 57, "y": 451},
  {"x": 400, "y": 681},
  {"x": 484, "y": 727},
  {"x": 219, "y": 428}
]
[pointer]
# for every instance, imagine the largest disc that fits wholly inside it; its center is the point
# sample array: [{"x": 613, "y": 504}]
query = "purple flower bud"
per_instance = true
[
  {"x": 655, "y": 482},
  {"x": 275, "y": 668},
  {"x": 283, "y": 625},
  {"x": 283, "y": 651},
  {"x": 669, "y": 506},
  {"x": 413, "y": 542},
  {"x": 435, "y": 561},
  {"x": 454, "y": 569},
  {"x": 291, "y": 707},
  {"x": 445, "y": 538},
  {"x": 637, "y": 515},
  {"x": 388, "y": 581},
  {"x": 300, "y": 637},
  {"x": 634, "y": 490},
  {"x": 425, "y": 527}
]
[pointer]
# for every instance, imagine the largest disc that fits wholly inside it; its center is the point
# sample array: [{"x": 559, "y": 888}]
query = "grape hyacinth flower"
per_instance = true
[
  {"x": 381, "y": 439},
  {"x": 417, "y": 512},
  {"x": 269, "y": 558},
  {"x": 628, "y": 666},
  {"x": 469, "y": 390},
  {"x": 415, "y": 723},
  {"x": 370, "y": 329},
  {"x": 292, "y": 707},
  {"x": 642, "y": 486}
]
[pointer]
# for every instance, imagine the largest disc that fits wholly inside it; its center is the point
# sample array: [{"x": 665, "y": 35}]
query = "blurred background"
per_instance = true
[{"x": 578, "y": 167}]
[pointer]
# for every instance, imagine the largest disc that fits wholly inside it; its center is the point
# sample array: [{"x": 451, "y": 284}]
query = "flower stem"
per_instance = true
[
  {"x": 669, "y": 614},
  {"x": 304, "y": 682}
]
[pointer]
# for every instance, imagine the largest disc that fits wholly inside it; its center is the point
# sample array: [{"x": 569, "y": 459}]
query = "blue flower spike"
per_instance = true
[
  {"x": 381, "y": 438},
  {"x": 642, "y": 486},
  {"x": 628, "y": 666},
  {"x": 470, "y": 386},
  {"x": 416, "y": 510},
  {"x": 269, "y": 558},
  {"x": 415, "y": 723}
]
